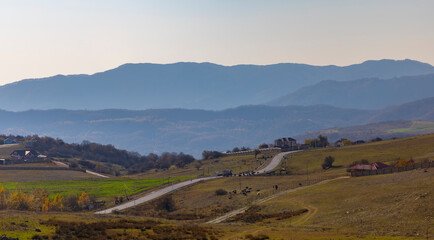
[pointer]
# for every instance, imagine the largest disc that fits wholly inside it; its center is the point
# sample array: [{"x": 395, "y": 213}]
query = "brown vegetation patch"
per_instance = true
[
  {"x": 126, "y": 229},
  {"x": 252, "y": 215}
]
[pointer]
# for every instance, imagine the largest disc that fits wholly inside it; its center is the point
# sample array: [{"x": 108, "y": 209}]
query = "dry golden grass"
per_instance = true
[
  {"x": 419, "y": 148},
  {"x": 386, "y": 205}
]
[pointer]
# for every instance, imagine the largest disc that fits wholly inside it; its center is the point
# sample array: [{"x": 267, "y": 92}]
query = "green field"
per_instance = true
[
  {"x": 419, "y": 148},
  {"x": 95, "y": 187}
]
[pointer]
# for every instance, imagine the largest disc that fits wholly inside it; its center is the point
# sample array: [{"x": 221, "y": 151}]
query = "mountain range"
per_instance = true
[
  {"x": 199, "y": 86},
  {"x": 372, "y": 93},
  {"x": 192, "y": 131}
]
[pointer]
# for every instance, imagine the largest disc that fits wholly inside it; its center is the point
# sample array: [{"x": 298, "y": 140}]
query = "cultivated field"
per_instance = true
[
  {"x": 42, "y": 175},
  {"x": 99, "y": 188}
]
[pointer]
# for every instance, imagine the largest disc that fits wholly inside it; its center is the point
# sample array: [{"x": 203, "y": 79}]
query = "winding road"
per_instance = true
[
  {"x": 158, "y": 193},
  {"x": 274, "y": 162}
]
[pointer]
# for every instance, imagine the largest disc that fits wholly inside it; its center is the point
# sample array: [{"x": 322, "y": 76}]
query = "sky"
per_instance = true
[{"x": 41, "y": 38}]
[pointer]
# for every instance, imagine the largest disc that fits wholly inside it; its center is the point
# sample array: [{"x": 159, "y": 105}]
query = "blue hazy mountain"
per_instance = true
[
  {"x": 192, "y": 131},
  {"x": 372, "y": 93},
  {"x": 188, "y": 85}
]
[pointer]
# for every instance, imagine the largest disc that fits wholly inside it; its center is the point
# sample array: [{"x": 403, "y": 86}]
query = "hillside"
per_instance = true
[
  {"x": 419, "y": 148},
  {"x": 187, "y": 85},
  {"x": 178, "y": 130},
  {"x": 192, "y": 131},
  {"x": 384, "y": 130},
  {"x": 370, "y": 93}
]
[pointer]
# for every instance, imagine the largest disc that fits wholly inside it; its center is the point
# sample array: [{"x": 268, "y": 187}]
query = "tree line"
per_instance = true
[{"x": 132, "y": 161}]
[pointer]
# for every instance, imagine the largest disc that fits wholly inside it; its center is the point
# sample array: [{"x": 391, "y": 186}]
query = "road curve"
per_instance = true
[
  {"x": 154, "y": 194},
  {"x": 274, "y": 162},
  {"x": 158, "y": 193}
]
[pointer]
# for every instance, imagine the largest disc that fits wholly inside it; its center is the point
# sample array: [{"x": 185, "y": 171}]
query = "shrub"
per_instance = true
[
  {"x": 71, "y": 203},
  {"x": 257, "y": 237},
  {"x": 166, "y": 204},
  {"x": 328, "y": 162},
  {"x": 220, "y": 192}
]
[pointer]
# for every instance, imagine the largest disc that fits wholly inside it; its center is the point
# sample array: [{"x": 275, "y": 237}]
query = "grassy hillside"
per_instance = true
[
  {"x": 386, "y": 205},
  {"x": 200, "y": 202},
  {"x": 7, "y": 149},
  {"x": 419, "y": 148}
]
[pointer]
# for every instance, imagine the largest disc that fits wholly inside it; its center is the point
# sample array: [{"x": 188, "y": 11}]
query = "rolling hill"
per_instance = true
[
  {"x": 187, "y": 85},
  {"x": 372, "y": 93},
  {"x": 192, "y": 131}
]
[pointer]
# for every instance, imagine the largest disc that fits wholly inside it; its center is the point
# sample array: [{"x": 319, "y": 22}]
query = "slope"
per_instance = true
[{"x": 371, "y": 93}]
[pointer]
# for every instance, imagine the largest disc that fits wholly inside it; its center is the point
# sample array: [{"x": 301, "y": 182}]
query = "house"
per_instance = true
[
  {"x": 373, "y": 166},
  {"x": 380, "y": 165},
  {"x": 9, "y": 141},
  {"x": 23, "y": 154},
  {"x": 285, "y": 142}
]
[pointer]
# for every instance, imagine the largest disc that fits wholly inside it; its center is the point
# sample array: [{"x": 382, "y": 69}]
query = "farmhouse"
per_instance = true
[
  {"x": 23, "y": 154},
  {"x": 285, "y": 142},
  {"x": 373, "y": 166}
]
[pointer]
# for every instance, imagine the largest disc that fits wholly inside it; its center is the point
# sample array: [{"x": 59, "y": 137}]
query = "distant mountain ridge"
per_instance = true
[
  {"x": 188, "y": 85},
  {"x": 372, "y": 93},
  {"x": 192, "y": 131}
]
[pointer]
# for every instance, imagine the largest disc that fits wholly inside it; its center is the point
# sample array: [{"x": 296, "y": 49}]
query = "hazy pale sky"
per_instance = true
[{"x": 45, "y": 38}]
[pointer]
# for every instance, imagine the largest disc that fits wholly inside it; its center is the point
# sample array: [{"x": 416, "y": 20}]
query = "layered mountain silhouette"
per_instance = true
[
  {"x": 189, "y": 85},
  {"x": 192, "y": 131},
  {"x": 372, "y": 93}
]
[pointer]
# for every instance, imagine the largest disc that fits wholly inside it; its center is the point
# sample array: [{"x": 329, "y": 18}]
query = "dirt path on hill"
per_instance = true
[
  {"x": 242, "y": 210},
  {"x": 61, "y": 164}
]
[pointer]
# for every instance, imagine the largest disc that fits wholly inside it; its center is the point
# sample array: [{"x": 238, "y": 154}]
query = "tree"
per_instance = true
[
  {"x": 20, "y": 201},
  {"x": 236, "y": 149},
  {"x": 257, "y": 152},
  {"x": 322, "y": 141},
  {"x": 347, "y": 142},
  {"x": 211, "y": 154},
  {"x": 71, "y": 203},
  {"x": 262, "y": 146},
  {"x": 83, "y": 201},
  {"x": 328, "y": 162},
  {"x": 3, "y": 203},
  {"x": 197, "y": 165}
]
